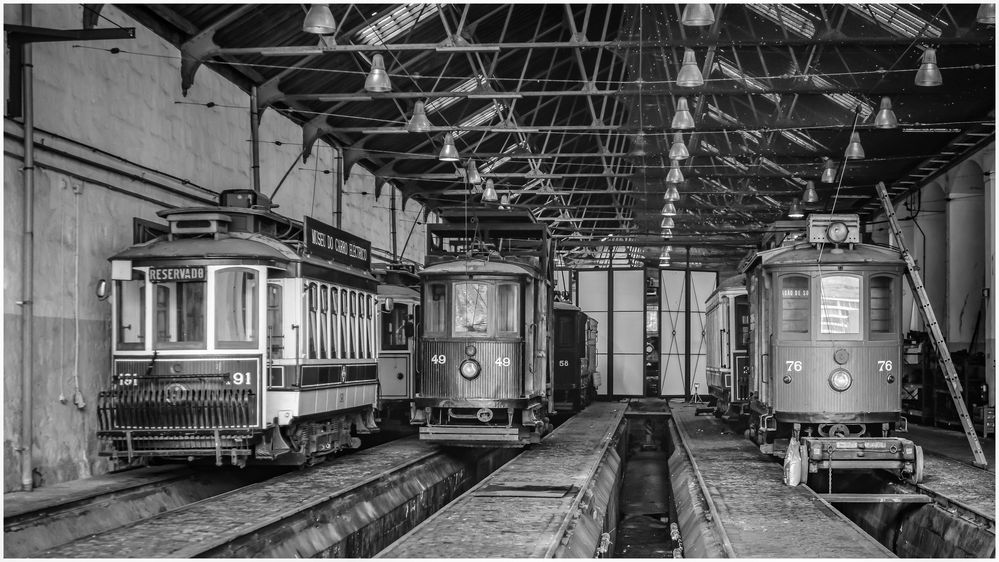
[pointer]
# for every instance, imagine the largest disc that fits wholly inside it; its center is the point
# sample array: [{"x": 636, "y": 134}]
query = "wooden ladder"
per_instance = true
[{"x": 943, "y": 354}]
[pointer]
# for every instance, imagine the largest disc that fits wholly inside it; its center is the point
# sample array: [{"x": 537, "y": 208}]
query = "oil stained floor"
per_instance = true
[{"x": 643, "y": 530}]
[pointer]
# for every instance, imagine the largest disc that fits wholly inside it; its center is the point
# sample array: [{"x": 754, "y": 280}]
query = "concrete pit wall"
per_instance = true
[{"x": 115, "y": 139}]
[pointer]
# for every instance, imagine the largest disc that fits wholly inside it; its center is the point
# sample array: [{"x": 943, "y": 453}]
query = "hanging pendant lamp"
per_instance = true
[
  {"x": 854, "y": 150},
  {"x": 810, "y": 196},
  {"x": 689, "y": 75},
  {"x": 378, "y": 79},
  {"x": 929, "y": 73},
  {"x": 666, "y": 223},
  {"x": 319, "y": 20},
  {"x": 795, "y": 211},
  {"x": 678, "y": 151},
  {"x": 489, "y": 194},
  {"x": 505, "y": 202},
  {"x": 472, "y": 173},
  {"x": 885, "y": 119},
  {"x": 637, "y": 146},
  {"x": 449, "y": 153},
  {"x": 672, "y": 193},
  {"x": 682, "y": 119},
  {"x": 986, "y": 14},
  {"x": 829, "y": 172},
  {"x": 669, "y": 210},
  {"x": 666, "y": 233},
  {"x": 674, "y": 175},
  {"x": 418, "y": 123},
  {"x": 695, "y": 15}
]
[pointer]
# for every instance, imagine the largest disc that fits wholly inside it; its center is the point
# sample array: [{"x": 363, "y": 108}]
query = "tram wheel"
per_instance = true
[
  {"x": 803, "y": 449},
  {"x": 916, "y": 476}
]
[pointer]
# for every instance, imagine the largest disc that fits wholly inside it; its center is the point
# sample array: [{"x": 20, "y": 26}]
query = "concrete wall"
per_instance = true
[{"x": 115, "y": 139}]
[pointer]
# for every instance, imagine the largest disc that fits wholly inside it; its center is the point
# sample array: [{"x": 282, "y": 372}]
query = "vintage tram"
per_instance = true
[
  {"x": 575, "y": 358},
  {"x": 484, "y": 376},
  {"x": 241, "y": 335},
  {"x": 398, "y": 292},
  {"x": 727, "y": 346},
  {"x": 826, "y": 347}
]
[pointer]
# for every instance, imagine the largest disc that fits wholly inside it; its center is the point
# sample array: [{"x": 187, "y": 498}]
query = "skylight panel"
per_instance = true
[
  {"x": 395, "y": 23},
  {"x": 720, "y": 116},
  {"x": 481, "y": 117},
  {"x": 729, "y": 70},
  {"x": 846, "y": 101},
  {"x": 802, "y": 141},
  {"x": 898, "y": 20},
  {"x": 438, "y": 104},
  {"x": 791, "y": 17},
  {"x": 497, "y": 161}
]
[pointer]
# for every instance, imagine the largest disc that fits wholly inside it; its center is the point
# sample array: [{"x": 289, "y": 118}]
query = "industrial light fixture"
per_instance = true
[
  {"x": 666, "y": 233},
  {"x": 505, "y": 202},
  {"x": 829, "y": 172},
  {"x": 472, "y": 173},
  {"x": 449, "y": 153},
  {"x": 689, "y": 75},
  {"x": 664, "y": 261},
  {"x": 669, "y": 210},
  {"x": 987, "y": 14},
  {"x": 666, "y": 223},
  {"x": 854, "y": 151},
  {"x": 682, "y": 119},
  {"x": 885, "y": 119},
  {"x": 418, "y": 123},
  {"x": 695, "y": 15},
  {"x": 810, "y": 196},
  {"x": 388, "y": 303},
  {"x": 319, "y": 20},
  {"x": 637, "y": 146},
  {"x": 378, "y": 79},
  {"x": 929, "y": 73},
  {"x": 795, "y": 211},
  {"x": 489, "y": 194},
  {"x": 678, "y": 151},
  {"x": 672, "y": 193},
  {"x": 674, "y": 175}
]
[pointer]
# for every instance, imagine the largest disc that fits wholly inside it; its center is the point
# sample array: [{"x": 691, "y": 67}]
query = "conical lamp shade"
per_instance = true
[
  {"x": 829, "y": 172},
  {"x": 666, "y": 233},
  {"x": 795, "y": 211},
  {"x": 664, "y": 261},
  {"x": 929, "y": 73},
  {"x": 378, "y": 79},
  {"x": 449, "y": 153},
  {"x": 669, "y": 210},
  {"x": 678, "y": 151},
  {"x": 472, "y": 173},
  {"x": 637, "y": 146},
  {"x": 697, "y": 15},
  {"x": 672, "y": 194},
  {"x": 419, "y": 123},
  {"x": 319, "y": 20},
  {"x": 490, "y": 192},
  {"x": 689, "y": 75},
  {"x": 682, "y": 119},
  {"x": 504, "y": 202},
  {"x": 987, "y": 14},
  {"x": 885, "y": 119},
  {"x": 810, "y": 196},
  {"x": 667, "y": 222},
  {"x": 854, "y": 151},
  {"x": 674, "y": 175}
]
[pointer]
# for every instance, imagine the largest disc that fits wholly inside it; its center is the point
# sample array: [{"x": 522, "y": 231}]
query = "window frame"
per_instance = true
[
  {"x": 861, "y": 332},
  {"x": 254, "y": 322},
  {"x": 779, "y": 309},
  {"x": 894, "y": 315}
]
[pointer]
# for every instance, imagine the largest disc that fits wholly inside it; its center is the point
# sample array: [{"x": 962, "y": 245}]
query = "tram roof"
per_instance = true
[{"x": 806, "y": 254}]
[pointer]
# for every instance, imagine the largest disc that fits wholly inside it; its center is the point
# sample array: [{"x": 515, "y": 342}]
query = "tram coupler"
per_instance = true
[{"x": 891, "y": 453}]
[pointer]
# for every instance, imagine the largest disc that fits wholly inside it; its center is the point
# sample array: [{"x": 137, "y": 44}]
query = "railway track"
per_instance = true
[{"x": 353, "y": 507}]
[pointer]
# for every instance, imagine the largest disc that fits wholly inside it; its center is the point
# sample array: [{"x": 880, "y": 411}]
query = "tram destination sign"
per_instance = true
[
  {"x": 324, "y": 241},
  {"x": 177, "y": 274}
]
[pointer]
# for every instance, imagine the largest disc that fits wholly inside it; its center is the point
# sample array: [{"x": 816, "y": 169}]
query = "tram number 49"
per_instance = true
[{"x": 884, "y": 366}]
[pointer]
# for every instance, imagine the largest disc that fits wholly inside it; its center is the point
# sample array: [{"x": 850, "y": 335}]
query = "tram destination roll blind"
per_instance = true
[{"x": 177, "y": 274}]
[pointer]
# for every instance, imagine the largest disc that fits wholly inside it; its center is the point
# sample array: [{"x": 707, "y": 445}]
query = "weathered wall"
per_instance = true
[{"x": 115, "y": 139}]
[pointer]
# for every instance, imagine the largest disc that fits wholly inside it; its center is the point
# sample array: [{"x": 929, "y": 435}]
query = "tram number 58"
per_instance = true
[
  {"x": 793, "y": 366},
  {"x": 884, "y": 366}
]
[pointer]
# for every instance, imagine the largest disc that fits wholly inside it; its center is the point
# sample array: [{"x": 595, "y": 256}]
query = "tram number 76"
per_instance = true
[{"x": 884, "y": 366}]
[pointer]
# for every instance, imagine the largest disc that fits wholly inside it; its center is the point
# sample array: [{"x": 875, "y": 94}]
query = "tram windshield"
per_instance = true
[
  {"x": 475, "y": 308},
  {"x": 180, "y": 315},
  {"x": 131, "y": 307},
  {"x": 236, "y": 308},
  {"x": 471, "y": 308},
  {"x": 840, "y": 304}
]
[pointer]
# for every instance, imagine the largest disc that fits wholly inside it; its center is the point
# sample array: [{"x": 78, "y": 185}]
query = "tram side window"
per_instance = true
[
  {"x": 794, "y": 296},
  {"x": 881, "y": 309},
  {"x": 471, "y": 308},
  {"x": 507, "y": 308},
  {"x": 312, "y": 298},
  {"x": 436, "y": 307},
  {"x": 335, "y": 329},
  {"x": 840, "y": 304},
  {"x": 369, "y": 327},
  {"x": 394, "y": 327},
  {"x": 352, "y": 337},
  {"x": 324, "y": 320},
  {"x": 275, "y": 326},
  {"x": 131, "y": 305},
  {"x": 180, "y": 315},
  {"x": 741, "y": 340},
  {"x": 236, "y": 308}
]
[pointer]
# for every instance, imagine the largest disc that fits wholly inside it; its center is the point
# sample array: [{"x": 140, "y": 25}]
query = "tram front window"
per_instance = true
[
  {"x": 470, "y": 308},
  {"x": 180, "y": 315},
  {"x": 236, "y": 308},
  {"x": 131, "y": 305},
  {"x": 840, "y": 304}
]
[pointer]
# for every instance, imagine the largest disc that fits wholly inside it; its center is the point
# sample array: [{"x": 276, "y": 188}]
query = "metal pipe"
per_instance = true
[
  {"x": 255, "y": 139},
  {"x": 339, "y": 187},
  {"x": 28, "y": 265},
  {"x": 395, "y": 245}
]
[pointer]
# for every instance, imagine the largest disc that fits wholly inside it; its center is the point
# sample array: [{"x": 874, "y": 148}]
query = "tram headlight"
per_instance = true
[
  {"x": 470, "y": 368},
  {"x": 840, "y": 380}
]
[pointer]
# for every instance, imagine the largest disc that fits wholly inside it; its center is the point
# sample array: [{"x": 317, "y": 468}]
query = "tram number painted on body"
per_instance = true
[
  {"x": 502, "y": 361},
  {"x": 563, "y": 363},
  {"x": 793, "y": 366},
  {"x": 884, "y": 366},
  {"x": 438, "y": 359},
  {"x": 240, "y": 379}
]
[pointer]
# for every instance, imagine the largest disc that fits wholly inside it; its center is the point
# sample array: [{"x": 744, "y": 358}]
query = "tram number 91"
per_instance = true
[
  {"x": 128, "y": 379},
  {"x": 240, "y": 379}
]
